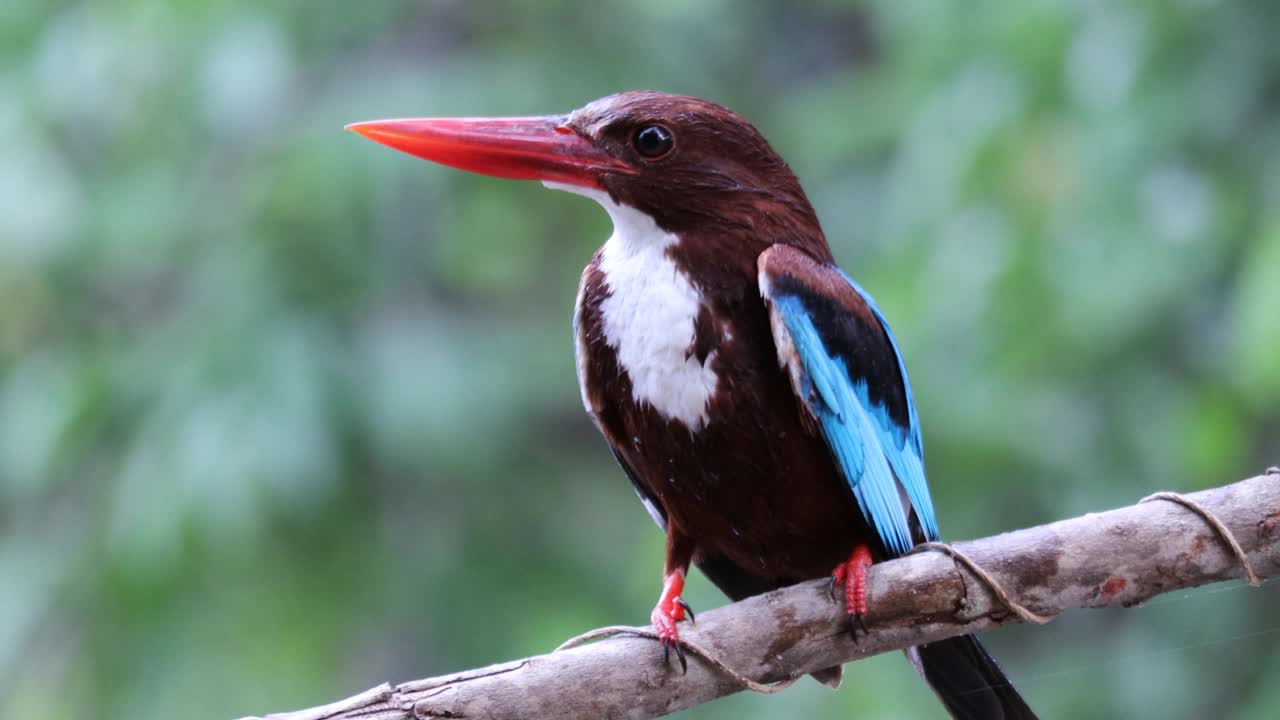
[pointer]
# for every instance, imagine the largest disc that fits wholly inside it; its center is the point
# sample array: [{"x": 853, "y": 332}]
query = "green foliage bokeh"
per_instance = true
[{"x": 284, "y": 414}]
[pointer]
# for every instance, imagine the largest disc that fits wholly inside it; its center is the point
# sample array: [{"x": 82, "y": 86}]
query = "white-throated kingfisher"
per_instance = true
[{"x": 751, "y": 391}]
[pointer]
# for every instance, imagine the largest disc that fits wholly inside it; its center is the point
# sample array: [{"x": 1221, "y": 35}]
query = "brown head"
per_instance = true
[{"x": 698, "y": 169}]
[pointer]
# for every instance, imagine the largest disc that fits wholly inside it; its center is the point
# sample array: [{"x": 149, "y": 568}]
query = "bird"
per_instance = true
[{"x": 752, "y": 392}]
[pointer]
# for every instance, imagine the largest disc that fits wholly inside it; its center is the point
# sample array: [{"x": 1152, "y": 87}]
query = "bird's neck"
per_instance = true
[
  {"x": 717, "y": 255},
  {"x": 671, "y": 304}
]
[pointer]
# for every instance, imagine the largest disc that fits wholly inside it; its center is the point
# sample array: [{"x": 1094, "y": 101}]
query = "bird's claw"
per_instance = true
[
  {"x": 667, "y": 644},
  {"x": 664, "y": 622},
  {"x": 857, "y": 621},
  {"x": 687, "y": 610}
]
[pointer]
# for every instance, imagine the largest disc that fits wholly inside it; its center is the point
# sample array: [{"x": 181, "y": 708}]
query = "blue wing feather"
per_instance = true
[
  {"x": 908, "y": 461},
  {"x": 880, "y": 456}
]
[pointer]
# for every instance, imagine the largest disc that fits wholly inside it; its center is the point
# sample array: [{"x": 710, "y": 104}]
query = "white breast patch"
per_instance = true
[{"x": 649, "y": 315}]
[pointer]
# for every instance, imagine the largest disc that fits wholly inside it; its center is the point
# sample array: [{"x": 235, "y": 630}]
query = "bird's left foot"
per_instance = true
[
  {"x": 671, "y": 609},
  {"x": 852, "y": 574}
]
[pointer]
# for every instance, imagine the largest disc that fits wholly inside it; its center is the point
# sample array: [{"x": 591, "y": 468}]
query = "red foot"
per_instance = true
[
  {"x": 669, "y": 611},
  {"x": 852, "y": 573}
]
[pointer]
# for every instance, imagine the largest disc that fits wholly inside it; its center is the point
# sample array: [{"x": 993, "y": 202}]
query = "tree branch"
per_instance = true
[{"x": 1120, "y": 557}]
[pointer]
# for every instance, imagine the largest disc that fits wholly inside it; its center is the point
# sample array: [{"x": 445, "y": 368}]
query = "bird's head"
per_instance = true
[{"x": 696, "y": 168}]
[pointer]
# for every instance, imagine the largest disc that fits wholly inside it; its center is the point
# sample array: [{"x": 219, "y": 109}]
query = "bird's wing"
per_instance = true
[
  {"x": 846, "y": 371},
  {"x": 650, "y": 502}
]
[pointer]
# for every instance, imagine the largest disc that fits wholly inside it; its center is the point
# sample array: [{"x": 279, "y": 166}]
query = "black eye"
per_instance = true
[{"x": 652, "y": 141}]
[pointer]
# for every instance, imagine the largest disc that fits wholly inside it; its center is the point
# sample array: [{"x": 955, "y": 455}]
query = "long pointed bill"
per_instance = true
[{"x": 521, "y": 148}]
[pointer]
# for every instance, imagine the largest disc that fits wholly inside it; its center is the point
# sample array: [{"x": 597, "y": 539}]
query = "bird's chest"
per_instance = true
[
  {"x": 688, "y": 392},
  {"x": 644, "y": 334},
  {"x": 690, "y": 397}
]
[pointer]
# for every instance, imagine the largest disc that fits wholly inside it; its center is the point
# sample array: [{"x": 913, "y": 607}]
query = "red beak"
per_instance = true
[{"x": 522, "y": 148}]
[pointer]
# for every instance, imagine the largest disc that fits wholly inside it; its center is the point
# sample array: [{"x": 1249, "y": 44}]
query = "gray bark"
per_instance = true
[{"x": 1120, "y": 557}]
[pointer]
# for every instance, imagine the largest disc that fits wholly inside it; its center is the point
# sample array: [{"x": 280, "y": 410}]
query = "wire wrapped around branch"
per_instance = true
[{"x": 1116, "y": 558}]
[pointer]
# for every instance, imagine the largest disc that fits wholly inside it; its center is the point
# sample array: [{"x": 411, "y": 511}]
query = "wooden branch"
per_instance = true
[{"x": 1121, "y": 557}]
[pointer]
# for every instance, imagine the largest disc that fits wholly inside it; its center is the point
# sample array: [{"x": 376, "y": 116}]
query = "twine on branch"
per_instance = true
[
  {"x": 1002, "y": 596},
  {"x": 616, "y": 630},
  {"x": 1058, "y": 564},
  {"x": 1228, "y": 538},
  {"x": 996, "y": 589}
]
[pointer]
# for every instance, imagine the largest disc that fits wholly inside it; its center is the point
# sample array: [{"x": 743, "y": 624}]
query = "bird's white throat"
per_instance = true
[{"x": 649, "y": 316}]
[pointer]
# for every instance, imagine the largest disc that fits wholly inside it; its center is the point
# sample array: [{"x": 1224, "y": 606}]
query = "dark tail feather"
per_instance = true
[{"x": 968, "y": 681}]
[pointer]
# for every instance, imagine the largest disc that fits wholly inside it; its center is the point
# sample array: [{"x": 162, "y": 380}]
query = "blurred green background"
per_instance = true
[{"x": 284, "y": 414}]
